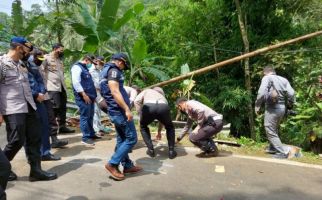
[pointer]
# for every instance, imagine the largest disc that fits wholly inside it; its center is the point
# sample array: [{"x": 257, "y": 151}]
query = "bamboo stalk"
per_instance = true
[{"x": 236, "y": 59}]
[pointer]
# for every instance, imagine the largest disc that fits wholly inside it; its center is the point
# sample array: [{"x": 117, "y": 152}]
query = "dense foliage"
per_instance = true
[{"x": 161, "y": 36}]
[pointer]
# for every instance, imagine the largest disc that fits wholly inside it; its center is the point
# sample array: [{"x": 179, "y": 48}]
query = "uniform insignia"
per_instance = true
[{"x": 114, "y": 74}]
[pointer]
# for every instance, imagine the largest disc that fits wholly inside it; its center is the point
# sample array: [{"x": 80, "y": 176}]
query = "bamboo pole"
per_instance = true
[{"x": 236, "y": 59}]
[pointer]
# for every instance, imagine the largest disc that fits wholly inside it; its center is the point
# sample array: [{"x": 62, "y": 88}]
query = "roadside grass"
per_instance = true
[{"x": 248, "y": 147}]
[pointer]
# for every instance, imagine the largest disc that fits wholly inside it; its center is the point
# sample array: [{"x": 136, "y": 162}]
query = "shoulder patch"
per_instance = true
[{"x": 113, "y": 74}]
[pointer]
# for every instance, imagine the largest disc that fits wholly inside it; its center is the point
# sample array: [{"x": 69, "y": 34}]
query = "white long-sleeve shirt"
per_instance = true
[{"x": 76, "y": 78}]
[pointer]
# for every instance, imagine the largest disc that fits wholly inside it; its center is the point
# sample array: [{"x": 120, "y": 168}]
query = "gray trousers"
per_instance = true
[{"x": 272, "y": 119}]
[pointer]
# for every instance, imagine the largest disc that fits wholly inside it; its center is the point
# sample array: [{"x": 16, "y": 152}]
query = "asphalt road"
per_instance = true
[{"x": 228, "y": 177}]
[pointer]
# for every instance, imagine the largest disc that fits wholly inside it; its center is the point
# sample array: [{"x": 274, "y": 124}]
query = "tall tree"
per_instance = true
[
  {"x": 17, "y": 18},
  {"x": 243, "y": 31}
]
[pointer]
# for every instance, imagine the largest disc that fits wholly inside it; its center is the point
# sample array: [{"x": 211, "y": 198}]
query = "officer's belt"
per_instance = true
[{"x": 155, "y": 102}]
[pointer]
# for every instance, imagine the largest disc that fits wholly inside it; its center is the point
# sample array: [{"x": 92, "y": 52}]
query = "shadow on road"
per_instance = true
[
  {"x": 72, "y": 151},
  {"x": 72, "y": 165},
  {"x": 77, "y": 198}
]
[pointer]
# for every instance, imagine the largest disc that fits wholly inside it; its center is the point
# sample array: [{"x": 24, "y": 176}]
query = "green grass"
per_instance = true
[{"x": 249, "y": 147}]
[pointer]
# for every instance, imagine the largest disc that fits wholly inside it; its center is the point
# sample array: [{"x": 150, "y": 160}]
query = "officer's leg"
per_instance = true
[
  {"x": 163, "y": 115},
  {"x": 203, "y": 138},
  {"x": 91, "y": 119},
  {"x": 126, "y": 139},
  {"x": 272, "y": 120},
  {"x": 85, "y": 115},
  {"x": 61, "y": 113},
  {"x": 51, "y": 118},
  {"x": 43, "y": 116},
  {"x": 62, "y": 108},
  {"x": 5, "y": 169},
  {"x": 146, "y": 119},
  {"x": 16, "y": 127},
  {"x": 33, "y": 136},
  {"x": 32, "y": 146},
  {"x": 97, "y": 118},
  {"x": 53, "y": 126}
]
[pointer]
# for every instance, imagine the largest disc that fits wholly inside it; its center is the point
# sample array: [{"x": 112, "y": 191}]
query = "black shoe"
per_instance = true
[
  {"x": 50, "y": 157},
  {"x": 64, "y": 129},
  {"x": 150, "y": 152},
  {"x": 96, "y": 137},
  {"x": 40, "y": 175},
  {"x": 12, "y": 176},
  {"x": 59, "y": 143},
  {"x": 280, "y": 156},
  {"x": 209, "y": 154},
  {"x": 172, "y": 154}
]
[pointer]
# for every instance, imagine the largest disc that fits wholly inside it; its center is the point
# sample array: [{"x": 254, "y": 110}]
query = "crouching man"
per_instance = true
[
  {"x": 152, "y": 104},
  {"x": 209, "y": 123}
]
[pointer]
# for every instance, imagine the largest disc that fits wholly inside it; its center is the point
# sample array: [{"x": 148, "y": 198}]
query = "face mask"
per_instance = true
[
  {"x": 37, "y": 62},
  {"x": 24, "y": 56},
  {"x": 89, "y": 65},
  {"x": 60, "y": 54}
]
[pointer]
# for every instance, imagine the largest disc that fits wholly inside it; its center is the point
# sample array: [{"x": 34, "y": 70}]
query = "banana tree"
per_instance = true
[
  {"x": 97, "y": 26},
  {"x": 143, "y": 64}
]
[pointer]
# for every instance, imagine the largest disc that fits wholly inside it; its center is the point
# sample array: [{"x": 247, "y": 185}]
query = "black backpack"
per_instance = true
[{"x": 271, "y": 95}]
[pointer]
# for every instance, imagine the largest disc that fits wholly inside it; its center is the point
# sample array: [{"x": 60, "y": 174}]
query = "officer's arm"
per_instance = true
[
  {"x": 133, "y": 94},
  {"x": 261, "y": 93},
  {"x": 40, "y": 81},
  {"x": 115, "y": 91},
  {"x": 76, "y": 78},
  {"x": 201, "y": 116},
  {"x": 185, "y": 129},
  {"x": 43, "y": 70},
  {"x": 138, "y": 101},
  {"x": 290, "y": 93}
]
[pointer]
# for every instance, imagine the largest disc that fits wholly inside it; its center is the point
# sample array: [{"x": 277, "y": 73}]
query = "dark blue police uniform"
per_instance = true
[{"x": 126, "y": 133}]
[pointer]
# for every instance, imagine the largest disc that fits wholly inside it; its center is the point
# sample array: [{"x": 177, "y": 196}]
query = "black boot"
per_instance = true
[
  {"x": 56, "y": 143},
  {"x": 64, "y": 129},
  {"x": 172, "y": 153},
  {"x": 150, "y": 152},
  {"x": 210, "y": 150},
  {"x": 37, "y": 174}
]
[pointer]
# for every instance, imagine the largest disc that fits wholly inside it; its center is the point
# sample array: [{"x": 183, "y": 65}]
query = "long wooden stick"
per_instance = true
[{"x": 236, "y": 59}]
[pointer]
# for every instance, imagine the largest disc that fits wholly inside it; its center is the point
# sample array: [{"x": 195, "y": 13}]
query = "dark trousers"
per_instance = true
[
  {"x": 59, "y": 101},
  {"x": 161, "y": 112},
  {"x": 23, "y": 129},
  {"x": 53, "y": 131},
  {"x": 5, "y": 168},
  {"x": 86, "y": 119},
  {"x": 45, "y": 142},
  {"x": 203, "y": 139}
]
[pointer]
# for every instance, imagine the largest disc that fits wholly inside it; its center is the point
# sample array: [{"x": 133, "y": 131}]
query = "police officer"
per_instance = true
[
  {"x": 132, "y": 92},
  {"x": 209, "y": 123},
  {"x": 85, "y": 95},
  {"x": 275, "y": 110},
  {"x": 38, "y": 92},
  {"x": 95, "y": 72},
  {"x": 53, "y": 71},
  {"x": 5, "y": 169},
  {"x": 19, "y": 110},
  {"x": 111, "y": 83},
  {"x": 151, "y": 104}
]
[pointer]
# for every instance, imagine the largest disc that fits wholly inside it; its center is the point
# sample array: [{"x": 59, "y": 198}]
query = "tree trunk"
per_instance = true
[
  {"x": 242, "y": 26},
  {"x": 59, "y": 34}
]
